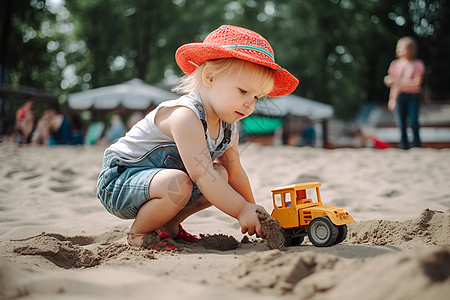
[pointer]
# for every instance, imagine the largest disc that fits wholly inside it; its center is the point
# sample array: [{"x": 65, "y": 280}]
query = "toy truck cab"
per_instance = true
[{"x": 300, "y": 211}]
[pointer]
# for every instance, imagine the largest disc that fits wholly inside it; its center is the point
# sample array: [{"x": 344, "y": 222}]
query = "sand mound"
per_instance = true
[
  {"x": 60, "y": 251},
  {"x": 69, "y": 253},
  {"x": 277, "y": 272},
  {"x": 72, "y": 252},
  {"x": 219, "y": 242},
  {"x": 419, "y": 274},
  {"x": 430, "y": 228}
]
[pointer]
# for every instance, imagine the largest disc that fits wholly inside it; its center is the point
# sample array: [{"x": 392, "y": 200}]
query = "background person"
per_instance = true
[
  {"x": 54, "y": 128},
  {"x": 116, "y": 130},
  {"x": 25, "y": 119},
  {"x": 405, "y": 75}
]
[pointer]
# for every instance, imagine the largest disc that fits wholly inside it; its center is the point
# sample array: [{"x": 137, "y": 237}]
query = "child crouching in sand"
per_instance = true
[{"x": 183, "y": 156}]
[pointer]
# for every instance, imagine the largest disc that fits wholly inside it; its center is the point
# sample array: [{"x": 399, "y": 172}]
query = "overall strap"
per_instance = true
[
  {"x": 226, "y": 134},
  {"x": 202, "y": 112},
  {"x": 226, "y": 126},
  {"x": 205, "y": 127}
]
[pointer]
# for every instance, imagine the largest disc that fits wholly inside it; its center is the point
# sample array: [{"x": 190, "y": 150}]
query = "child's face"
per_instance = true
[
  {"x": 233, "y": 96},
  {"x": 403, "y": 49}
]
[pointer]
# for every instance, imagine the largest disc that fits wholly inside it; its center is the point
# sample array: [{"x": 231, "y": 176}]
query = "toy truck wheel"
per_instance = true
[
  {"x": 342, "y": 234},
  {"x": 284, "y": 239},
  {"x": 322, "y": 232}
]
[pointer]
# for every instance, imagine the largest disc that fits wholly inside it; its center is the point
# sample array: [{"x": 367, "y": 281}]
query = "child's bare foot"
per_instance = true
[{"x": 151, "y": 241}]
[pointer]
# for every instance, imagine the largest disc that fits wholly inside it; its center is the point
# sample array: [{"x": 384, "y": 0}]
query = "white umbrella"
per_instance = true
[
  {"x": 295, "y": 106},
  {"x": 133, "y": 95}
]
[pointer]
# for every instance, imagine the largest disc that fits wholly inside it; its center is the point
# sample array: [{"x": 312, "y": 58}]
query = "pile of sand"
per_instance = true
[
  {"x": 430, "y": 228},
  {"x": 419, "y": 274}
]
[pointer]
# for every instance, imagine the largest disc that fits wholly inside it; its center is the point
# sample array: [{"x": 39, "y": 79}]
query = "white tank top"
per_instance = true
[{"x": 145, "y": 134}]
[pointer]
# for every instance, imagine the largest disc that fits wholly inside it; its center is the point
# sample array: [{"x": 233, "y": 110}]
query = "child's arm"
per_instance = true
[
  {"x": 393, "y": 94},
  {"x": 238, "y": 179},
  {"x": 395, "y": 84},
  {"x": 187, "y": 131}
]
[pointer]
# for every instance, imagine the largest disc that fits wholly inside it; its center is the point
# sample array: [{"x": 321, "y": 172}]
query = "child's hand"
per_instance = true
[
  {"x": 391, "y": 104},
  {"x": 248, "y": 219},
  {"x": 388, "y": 81}
]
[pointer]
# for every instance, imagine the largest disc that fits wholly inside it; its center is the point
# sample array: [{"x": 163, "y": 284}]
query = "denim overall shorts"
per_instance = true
[{"x": 123, "y": 185}]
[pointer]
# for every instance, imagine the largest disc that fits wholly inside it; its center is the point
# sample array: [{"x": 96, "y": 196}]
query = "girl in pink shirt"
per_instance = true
[{"x": 404, "y": 79}]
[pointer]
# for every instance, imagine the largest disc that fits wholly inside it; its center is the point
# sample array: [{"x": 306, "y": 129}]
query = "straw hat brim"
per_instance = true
[{"x": 192, "y": 55}]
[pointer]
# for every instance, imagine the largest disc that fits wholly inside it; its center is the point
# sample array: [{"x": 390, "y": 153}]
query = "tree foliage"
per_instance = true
[
  {"x": 24, "y": 42},
  {"x": 339, "y": 49}
]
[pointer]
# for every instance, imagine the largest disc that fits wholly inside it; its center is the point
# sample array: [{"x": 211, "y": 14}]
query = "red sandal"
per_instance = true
[{"x": 182, "y": 235}]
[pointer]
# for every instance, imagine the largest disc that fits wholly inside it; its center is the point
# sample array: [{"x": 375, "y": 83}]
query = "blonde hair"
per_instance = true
[
  {"x": 411, "y": 44},
  {"x": 216, "y": 67}
]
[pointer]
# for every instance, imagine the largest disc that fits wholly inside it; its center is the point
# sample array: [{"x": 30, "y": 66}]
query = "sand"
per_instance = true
[
  {"x": 58, "y": 242},
  {"x": 270, "y": 228}
]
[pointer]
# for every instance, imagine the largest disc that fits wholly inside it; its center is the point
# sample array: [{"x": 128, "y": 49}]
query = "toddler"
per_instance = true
[
  {"x": 405, "y": 79},
  {"x": 183, "y": 156}
]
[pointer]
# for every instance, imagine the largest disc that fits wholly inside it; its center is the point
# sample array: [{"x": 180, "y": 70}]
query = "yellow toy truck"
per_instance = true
[{"x": 300, "y": 211}]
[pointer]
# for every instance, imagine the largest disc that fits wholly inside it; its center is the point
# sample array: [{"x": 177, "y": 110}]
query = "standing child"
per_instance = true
[
  {"x": 404, "y": 79},
  {"x": 183, "y": 156}
]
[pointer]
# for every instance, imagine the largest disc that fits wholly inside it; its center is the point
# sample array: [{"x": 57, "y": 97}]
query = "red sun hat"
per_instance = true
[{"x": 232, "y": 41}]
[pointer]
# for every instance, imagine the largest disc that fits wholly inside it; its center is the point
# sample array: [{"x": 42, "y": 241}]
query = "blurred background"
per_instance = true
[{"x": 339, "y": 49}]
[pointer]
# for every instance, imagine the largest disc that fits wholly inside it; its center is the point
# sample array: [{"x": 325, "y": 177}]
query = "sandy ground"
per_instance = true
[{"x": 58, "y": 242}]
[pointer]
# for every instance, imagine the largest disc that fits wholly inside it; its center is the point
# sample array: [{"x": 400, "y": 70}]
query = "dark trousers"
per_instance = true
[{"x": 408, "y": 112}]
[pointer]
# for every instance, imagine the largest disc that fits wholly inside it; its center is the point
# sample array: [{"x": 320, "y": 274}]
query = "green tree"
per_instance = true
[
  {"x": 339, "y": 49},
  {"x": 127, "y": 39},
  {"x": 28, "y": 31}
]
